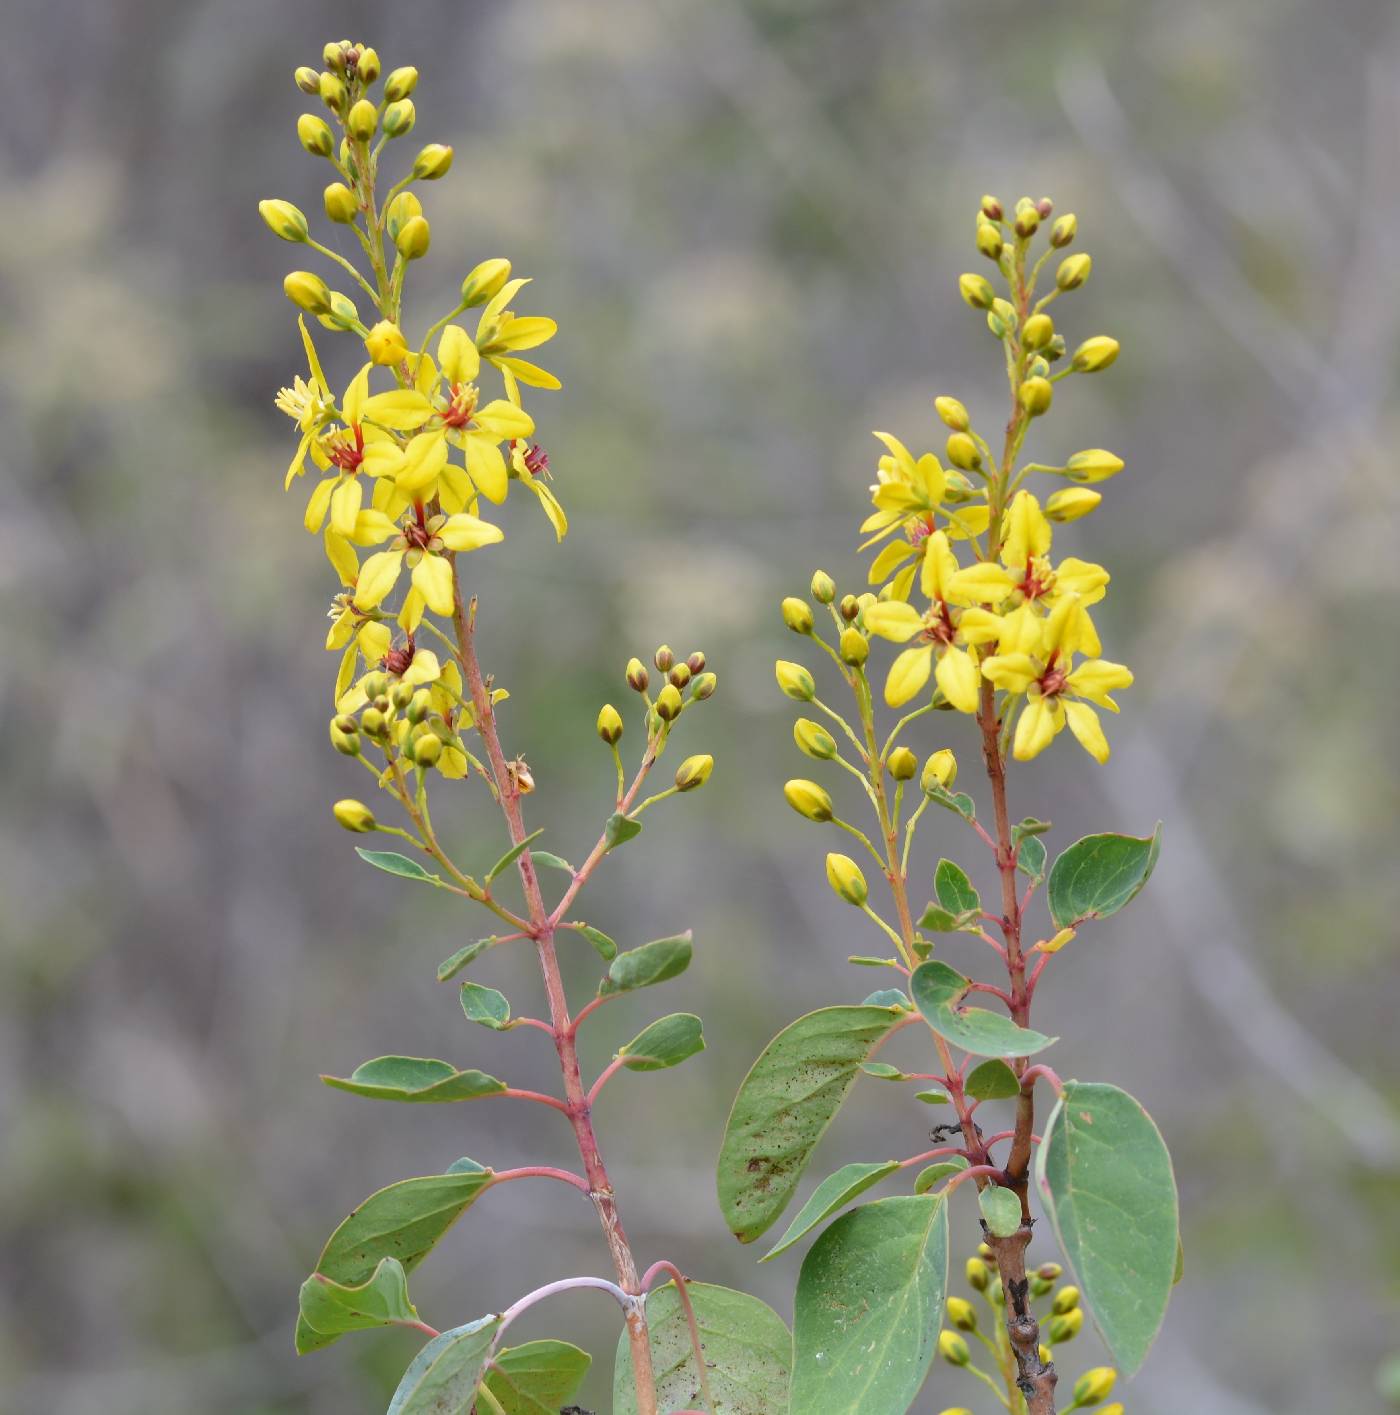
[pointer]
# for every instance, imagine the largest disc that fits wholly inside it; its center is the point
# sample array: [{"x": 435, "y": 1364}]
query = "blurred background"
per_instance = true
[{"x": 748, "y": 217}]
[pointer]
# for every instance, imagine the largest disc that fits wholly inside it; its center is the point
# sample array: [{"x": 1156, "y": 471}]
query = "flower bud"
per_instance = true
[
  {"x": 984, "y": 1251},
  {"x": 1071, "y": 502},
  {"x": 823, "y": 587},
  {"x": 962, "y": 1314},
  {"x": 373, "y": 721},
  {"x": 1037, "y": 331},
  {"x": 903, "y": 764},
  {"x": 346, "y": 743},
  {"x": 1074, "y": 271},
  {"x": 844, "y": 876},
  {"x": 668, "y": 704},
  {"x": 609, "y": 724},
  {"x": 414, "y": 238},
  {"x": 978, "y": 1274},
  {"x": 400, "y": 83},
  {"x": 694, "y": 772},
  {"x": 1044, "y": 207},
  {"x": 1039, "y": 1285},
  {"x": 342, "y": 314},
  {"x": 703, "y": 686},
  {"x": 953, "y": 1349},
  {"x": 400, "y": 695},
  {"x": 696, "y": 662},
  {"x": 991, "y": 208},
  {"x": 427, "y": 749},
  {"x": 1092, "y": 465},
  {"x": 809, "y": 800},
  {"x": 1064, "y": 230},
  {"x": 1027, "y": 218},
  {"x": 1065, "y": 1327},
  {"x": 1115, "y": 1409},
  {"x": 1066, "y": 1299},
  {"x": 953, "y": 413},
  {"x": 307, "y": 80},
  {"x": 958, "y": 487},
  {"x": 962, "y": 451},
  {"x": 399, "y": 212},
  {"x": 333, "y": 55},
  {"x": 797, "y": 615},
  {"x": 368, "y": 65},
  {"x": 375, "y": 684},
  {"x": 1095, "y": 1385},
  {"x": 795, "y": 681},
  {"x": 849, "y": 607},
  {"x": 679, "y": 675},
  {"x": 977, "y": 291},
  {"x": 996, "y": 1293},
  {"x": 354, "y": 816},
  {"x": 855, "y": 647},
  {"x": 1036, "y": 396},
  {"x": 1055, "y": 349},
  {"x": 433, "y": 162},
  {"x": 314, "y": 134},
  {"x": 637, "y": 675},
  {"x": 1051, "y": 1272},
  {"x": 813, "y": 740},
  {"x": 362, "y": 120},
  {"x": 1095, "y": 354},
  {"x": 341, "y": 204},
  {"x": 385, "y": 344},
  {"x": 283, "y": 219},
  {"x": 485, "y": 281},
  {"x": 333, "y": 92},
  {"x": 941, "y": 769},
  {"x": 399, "y": 118},
  {"x": 419, "y": 706},
  {"x": 307, "y": 291},
  {"x": 663, "y": 658},
  {"x": 989, "y": 240}
]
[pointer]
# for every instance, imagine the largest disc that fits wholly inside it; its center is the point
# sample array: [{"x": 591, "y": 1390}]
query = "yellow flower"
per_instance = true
[
  {"x": 405, "y": 663},
  {"x": 530, "y": 466},
  {"x": 309, "y": 404},
  {"x": 385, "y": 343},
  {"x": 909, "y": 494},
  {"x": 501, "y": 335}
]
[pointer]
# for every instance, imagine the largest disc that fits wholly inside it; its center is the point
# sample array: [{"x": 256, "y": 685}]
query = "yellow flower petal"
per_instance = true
[
  {"x": 982, "y": 583},
  {"x": 885, "y": 563},
  {"x": 1026, "y": 533},
  {"x": 313, "y": 363},
  {"x": 373, "y": 527},
  {"x": 340, "y": 633},
  {"x": 504, "y": 419},
  {"x": 487, "y": 468},
  {"x": 424, "y": 668},
  {"x": 455, "y": 490},
  {"x": 1040, "y": 720},
  {"x": 463, "y": 532},
  {"x": 344, "y": 673},
  {"x": 423, "y": 459},
  {"x": 457, "y": 355},
  {"x": 352, "y": 406},
  {"x": 316, "y": 506},
  {"x": 432, "y": 578},
  {"x": 957, "y": 675},
  {"x": 402, "y": 409},
  {"x": 373, "y": 641},
  {"x": 382, "y": 458},
  {"x": 378, "y": 576},
  {"x": 893, "y": 619},
  {"x": 908, "y": 675},
  {"x": 940, "y": 565},
  {"x": 522, "y": 332},
  {"x": 1084, "y": 723},
  {"x": 1014, "y": 672},
  {"x": 530, "y": 374},
  {"x": 411, "y": 610},
  {"x": 342, "y": 557},
  {"x": 1082, "y": 578},
  {"x": 903, "y": 457},
  {"x": 345, "y": 505},
  {"x": 552, "y": 509},
  {"x": 979, "y": 626},
  {"x": 1097, "y": 678}
]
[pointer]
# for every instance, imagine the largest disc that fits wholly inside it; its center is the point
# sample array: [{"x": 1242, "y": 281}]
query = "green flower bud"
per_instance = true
[
  {"x": 991, "y": 208},
  {"x": 375, "y": 684},
  {"x": 1039, "y": 1286},
  {"x": 953, "y": 413},
  {"x": 1066, "y": 1299},
  {"x": 1037, "y": 331},
  {"x": 368, "y": 66},
  {"x": 427, "y": 749},
  {"x": 844, "y": 876},
  {"x": 849, "y": 608},
  {"x": 373, "y": 721},
  {"x": 957, "y": 487},
  {"x": 978, "y": 1274},
  {"x": 797, "y": 615},
  {"x": 1094, "y": 464},
  {"x": 346, "y": 743},
  {"x": 984, "y": 1251},
  {"x": 813, "y": 740},
  {"x": 362, "y": 120},
  {"x": 399, "y": 118},
  {"x": 307, "y": 291},
  {"x": 485, "y": 281},
  {"x": 823, "y": 587},
  {"x": 283, "y": 219},
  {"x": 855, "y": 647},
  {"x": 400, "y": 212},
  {"x": 809, "y": 800},
  {"x": 609, "y": 724},
  {"x": 795, "y": 681},
  {"x": 342, "y": 314},
  {"x": 400, "y": 83},
  {"x": 307, "y": 80},
  {"x": 341, "y": 204},
  {"x": 354, "y": 816},
  {"x": 679, "y": 675},
  {"x": 400, "y": 695},
  {"x": 419, "y": 706},
  {"x": 963, "y": 452},
  {"x": 962, "y": 1314},
  {"x": 663, "y": 658},
  {"x": 1065, "y": 1327},
  {"x": 433, "y": 162},
  {"x": 903, "y": 764},
  {"x": 1095, "y": 354},
  {"x": 941, "y": 769},
  {"x": 1074, "y": 271},
  {"x": 414, "y": 237},
  {"x": 694, "y": 772},
  {"x": 668, "y": 704},
  {"x": 1055, "y": 349},
  {"x": 953, "y": 1349},
  {"x": 314, "y": 134},
  {"x": 977, "y": 291},
  {"x": 989, "y": 240},
  {"x": 1095, "y": 1385},
  {"x": 1064, "y": 230},
  {"x": 1036, "y": 396},
  {"x": 637, "y": 675},
  {"x": 333, "y": 92},
  {"x": 703, "y": 686}
]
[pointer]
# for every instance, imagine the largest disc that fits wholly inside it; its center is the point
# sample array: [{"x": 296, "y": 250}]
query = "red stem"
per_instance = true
[{"x": 541, "y": 1171}]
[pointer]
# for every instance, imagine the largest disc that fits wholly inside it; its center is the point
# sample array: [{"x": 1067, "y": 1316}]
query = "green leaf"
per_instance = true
[
  {"x": 403, "y": 1221},
  {"x": 512, "y": 855},
  {"x": 553, "y": 862},
  {"x": 784, "y": 1106},
  {"x": 938, "y": 990},
  {"x": 450, "y": 967},
  {"x": 486, "y": 1006},
  {"x": 1001, "y": 1210},
  {"x": 1030, "y": 860},
  {"x": 444, "y": 1375},
  {"x": 954, "y": 889},
  {"x": 868, "y": 1308},
  {"x": 961, "y": 803},
  {"x": 1098, "y": 875},
  {"x": 619, "y": 830},
  {"x": 882, "y": 1071},
  {"x": 930, "y": 1176},
  {"x": 602, "y": 944},
  {"x": 747, "y": 1349},
  {"x": 939, "y": 920},
  {"x": 1106, "y": 1181},
  {"x": 415, "y": 1078},
  {"x": 834, "y": 1192},
  {"x": 866, "y": 960},
  {"x": 887, "y": 997},
  {"x": 667, "y": 1042},
  {"x": 992, "y": 1081},
  {"x": 536, "y": 1378},
  {"x": 331, "y": 1308},
  {"x": 653, "y": 962},
  {"x": 1023, "y": 830},
  {"x": 931, "y": 1097},
  {"x": 395, "y": 864}
]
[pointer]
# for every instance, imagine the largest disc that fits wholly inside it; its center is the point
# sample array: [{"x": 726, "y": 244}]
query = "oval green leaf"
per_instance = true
[
  {"x": 886, "y": 997},
  {"x": 942, "y": 1170},
  {"x": 1106, "y": 1180},
  {"x": 954, "y": 889},
  {"x": 330, "y": 1308},
  {"x": 450, "y": 967},
  {"x": 554, "y": 862},
  {"x": 485, "y": 1006},
  {"x": 415, "y": 1079},
  {"x": 667, "y": 1042},
  {"x": 537, "y": 1378},
  {"x": 395, "y": 864},
  {"x": 512, "y": 855},
  {"x": 938, "y": 991},
  {"x": 868, "y": 1308},
  {"x": 605, "y": 948},
  {"x": 1030, "y": 858},
  {"x": 834, "y": 1192},
  {"x": 619, "y": 830},
  {"x": 445, "y": 1374},
  {"x": 993, "y": 1080},
  {"x": 1098, "y": 875},
  {"x": 1001, "y": 1210},
  {"x": 784, "y": 1106},
  {"x": 748, "y": 1353},
  {"x": 653, "y": 962}
]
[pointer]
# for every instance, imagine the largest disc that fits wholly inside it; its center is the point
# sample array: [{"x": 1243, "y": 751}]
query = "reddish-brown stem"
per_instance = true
[
  {"x": 511, "y": 1093},
  {"x": 697, "y": 1347},
  {"x": 606, "y": 1075},
  {"x": 541, "y": 1171},
  {"x": 930, "y": 1155}
]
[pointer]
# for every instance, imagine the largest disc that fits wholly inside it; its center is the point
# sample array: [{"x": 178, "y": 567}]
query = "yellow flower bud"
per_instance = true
[
  {"x": 903, "y": 764},
  {"x": 679, "y": 674},
  {"x": 333, "y": 92},
  {"x": 844, "y": 876},
  {"x": 307, "y": 291},
  {"x": 346, "y": 743},
  {"x": 1049, "y": 1271},
  {"x": 989, "y": 240},
  {"x": 795, "y": 681},
  {"x": 694, "y": 772},
  {"x": 953, "y": 1349},
  {"x": 400, "y": 211},
  {"x": 637, "y": 675},
  {"x": 1115, "y": 1409},
  {"x": 419, "y": 706},
  {"x": 386, "y": 345},
  {"x": 991, "y": 208},
  {"x": 962, "y": 1314},
  {"x": 823, "y": 587},
  {"x": 813, "y": 740},
  {"x": 956, "y": 1410},
  {"x": 433, "y": 162},
  {"x": 283, "y": 219},
  {"x": 1095, "y": 354},
  {"x": 1037, "y": 331},
  {"x": 1071, "y": 502},
  {"x": 401, "y": 695},
  {"x": 941, "y": 769},
  {"x": 341, "y": 204},
  {"x": 1036, "y": 396},
  {"x": 354, "y": 816},
  {"x": 1093, "y": 464},
  {"x": 1047, "y": 1356},
  {"x": 963, "y": 451},
  {"x": 400, "y": 83},
  {"x": 978, "y": 1275},
  {"x": 663, "y": 658},
  {"x": 414, "y": 237},
  {"x": 609, "y": 724},
  {"x": 333, "y": 55},
  {"x": 668, "y": 703},
  {"x": 1027, "y": 218},
  {"x": 953, "y": 413},
  {"x": 797, "y": 615},
  {"x": 704, "y": 686},
  {"x": 809, "y": 800},
  {"x": 977, "y": 291},
  {"x": 850, "y": 606},
  {"x": 314, "y": 134},
  {"x": 1064, "y": 230},
  {"x": 1074, "y": 271},
  {"x": 342, "y": 314},
  {"x": 485, "y": 281},
  {"x": 307, "y": 80},
  {"x": 399, "y": 118},
  {"x": 362, "y": 120},
  {"x": 368, "y": 66},
  {"x": 855, "y": 647},
  {"x": 373, "y": 721},
  {"x": 1066, "y": 1299},
  {"x": 1065, "y": 1327},
  {"x": 427, "y": 749},
  {"x": 1095, "y": 1385}
]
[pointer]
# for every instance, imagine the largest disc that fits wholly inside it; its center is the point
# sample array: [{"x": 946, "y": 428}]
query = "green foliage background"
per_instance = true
[{"x": 748, "y": 216}]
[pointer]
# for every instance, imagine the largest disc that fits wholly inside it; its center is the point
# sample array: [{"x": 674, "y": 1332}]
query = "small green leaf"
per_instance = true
[
  {"x": 415, "y": 1078},
  {"x": 485, "y": 1006},
  {"x": 553, "y": 862},
  {"x": 868, "y": 1308},
  {"x": 940, "y": 920},
  {"x": 882, "y": 1071},
  {"x": 667, "y": 1042},
  {"x": 865, "y": 960},
  {"x": 602, "y": 944},
  {"x": 887, "y": 997},
  {"x": 653, "y": 962},
  {"x": 450, "y": 967},
  {"x": 537, "y": 1378},
  {"x": 395, "y": 864},
  {"x": 834, "y": 1192},
  {"x": 512, "y": 855},
  {"x": 961, "y": 803},
  {"x": 331, "y": 1309},
  {"x": 1099, "y": 874},
  {"x": 954, "y": 889},
  {"x": 930, "y": 1176},
  {"x": 938, "y": 992},
  {"x": 1001, "y": 1210},
  {"x": 444, "y": 1375},
  {"x": 931, "y": 1097},
  {"x": 1031, "y": 858},
  {"x": 619, "y": 830},
  {"x": 993, "y": 1080},
  {"x": 1023, "y": 830}
]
